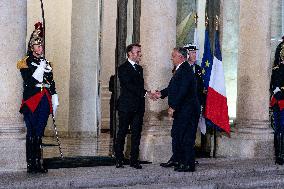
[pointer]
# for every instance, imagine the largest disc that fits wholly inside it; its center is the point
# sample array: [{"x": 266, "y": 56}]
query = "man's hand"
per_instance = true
[
  {"x": 43, "y": 65},
  {"x": 153, "y": 95},
  {"x": 158, "y": 94},
  {"x": 170, "y": 112},
  {"x": 38, "y": 73}
]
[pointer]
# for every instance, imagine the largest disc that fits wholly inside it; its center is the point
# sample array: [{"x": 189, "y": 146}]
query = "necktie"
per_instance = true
[
  {"x": 193, "y": 68},
  {"x": 136, "y": 67}
]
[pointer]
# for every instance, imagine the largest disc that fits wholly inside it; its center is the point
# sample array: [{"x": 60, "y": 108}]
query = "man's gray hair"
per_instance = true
[{"x": 182, "y": 51}]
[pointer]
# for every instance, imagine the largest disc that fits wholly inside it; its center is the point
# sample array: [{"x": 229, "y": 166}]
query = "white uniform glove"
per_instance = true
[
  {"x": 276, "y": 90},
  {"x": 38, "y": 74},
  {"x": 55, "y": 103}
]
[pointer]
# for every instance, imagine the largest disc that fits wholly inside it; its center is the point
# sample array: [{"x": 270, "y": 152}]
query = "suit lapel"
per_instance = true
[
  {"x": 177, "y": 73},
  {"x": 132, "y": 69},
  {"x": 181, "y": 67}
]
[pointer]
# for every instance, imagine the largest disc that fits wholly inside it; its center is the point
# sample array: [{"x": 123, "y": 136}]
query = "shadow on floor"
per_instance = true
[{"x": 82, "y": 161}]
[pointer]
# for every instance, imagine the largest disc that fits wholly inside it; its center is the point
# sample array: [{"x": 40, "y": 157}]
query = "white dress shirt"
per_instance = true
[{"x": 132, "y": 63}]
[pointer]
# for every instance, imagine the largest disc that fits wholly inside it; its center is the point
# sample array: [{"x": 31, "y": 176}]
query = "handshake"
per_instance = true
[{"x": 154, "y": 95}]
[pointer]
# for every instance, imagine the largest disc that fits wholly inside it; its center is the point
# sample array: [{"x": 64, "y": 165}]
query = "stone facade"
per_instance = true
[{"x": 80, "y": 41}]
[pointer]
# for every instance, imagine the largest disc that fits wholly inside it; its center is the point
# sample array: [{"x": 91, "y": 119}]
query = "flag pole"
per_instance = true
[
  {"x": 214, "y": 129},
  {"x": 195, "y": 19}
]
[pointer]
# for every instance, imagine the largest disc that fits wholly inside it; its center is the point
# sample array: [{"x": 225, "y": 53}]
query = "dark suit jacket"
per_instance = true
[
  {"x": 132, "y": 90},
  {"x": 200, "y": 85},
  {"x": 182, "y": 91}
]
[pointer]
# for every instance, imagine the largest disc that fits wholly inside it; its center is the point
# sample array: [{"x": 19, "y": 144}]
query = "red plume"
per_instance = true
[{"x": 38, "y": 26}]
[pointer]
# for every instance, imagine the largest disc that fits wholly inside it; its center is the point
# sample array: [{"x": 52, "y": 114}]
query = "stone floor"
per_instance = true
[
  {"x": 211, "y": 173},
  {"x": 79, "y": 146}
]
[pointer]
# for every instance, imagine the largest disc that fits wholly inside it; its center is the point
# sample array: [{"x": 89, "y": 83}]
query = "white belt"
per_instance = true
[{"x": 42, "y": 85}]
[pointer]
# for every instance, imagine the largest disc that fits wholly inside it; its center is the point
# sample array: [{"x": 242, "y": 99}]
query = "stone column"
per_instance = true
[
  {"x": 84, "y": 104},
  {"x": 108, "y": 57},
  {"x": 230, "y": 40},
  {"x": 129, "y": 38},
  {"x": 158, "y": 38},
  {"x": 13, "y": 18},
  {"x": 277, "y": 16},
  {"x": 252, "y": 135}
]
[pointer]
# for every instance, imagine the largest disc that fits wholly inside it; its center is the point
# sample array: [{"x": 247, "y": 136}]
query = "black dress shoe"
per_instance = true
[
  {"x": 177, "y": 166},
  {"x": 119, "y": 164},
  {"x": 279, "y": 161},
  {"x": 185, "y": 168},
  {"x": 136, "y": 165},
  {"x": 170, "y": 163}
]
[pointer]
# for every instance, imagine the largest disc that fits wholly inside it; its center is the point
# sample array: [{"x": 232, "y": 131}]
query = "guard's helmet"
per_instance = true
[{"x": 36, "y": 37}]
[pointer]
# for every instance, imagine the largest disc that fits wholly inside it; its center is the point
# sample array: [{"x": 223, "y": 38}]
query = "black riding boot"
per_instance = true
[
  {"x": 279, "y": 148},
  {"x": 30, "y": 156},
  {"x": 38, "y": 157}
]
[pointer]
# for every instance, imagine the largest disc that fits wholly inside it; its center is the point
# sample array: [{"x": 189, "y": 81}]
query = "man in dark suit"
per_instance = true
[
  {"x": 131, "y": 105},
  {"x": 184, "y": 107},
  {"x": 191, "y": 48}
]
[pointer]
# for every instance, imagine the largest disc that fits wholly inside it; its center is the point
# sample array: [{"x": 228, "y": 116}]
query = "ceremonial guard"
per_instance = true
[
  {"x": 197, "y": 72},
  {"x": 39, "y": 97},
  {"x": 277, "y": 103}
]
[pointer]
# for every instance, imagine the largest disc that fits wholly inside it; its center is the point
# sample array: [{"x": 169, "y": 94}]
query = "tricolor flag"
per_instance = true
[
  {"x": 216, "y": 109},
  {"x": 207, "y": 60},
  {"x": 206, "y": 66}
]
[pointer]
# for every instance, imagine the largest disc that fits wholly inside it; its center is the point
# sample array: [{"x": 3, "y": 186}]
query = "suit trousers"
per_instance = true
[
  {"x": 135, "y": 121},
  {"x": 183, "y": 139}
]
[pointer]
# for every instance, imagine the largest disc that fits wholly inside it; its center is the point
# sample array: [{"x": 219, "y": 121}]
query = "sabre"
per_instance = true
[
  {"x": 56, "y": 135},
  {"x": 53, "y": 118},
  {"x": 43, "y": 23}
]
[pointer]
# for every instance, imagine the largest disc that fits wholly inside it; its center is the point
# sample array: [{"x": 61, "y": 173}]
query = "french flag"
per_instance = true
[{"x": 216, "y": 109}]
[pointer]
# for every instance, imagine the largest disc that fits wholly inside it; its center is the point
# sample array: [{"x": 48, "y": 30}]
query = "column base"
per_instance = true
[
  {"x": 250, "y": 139},
  {"x": 156, "y": 141},
  {"x": 12, "y": 148}
]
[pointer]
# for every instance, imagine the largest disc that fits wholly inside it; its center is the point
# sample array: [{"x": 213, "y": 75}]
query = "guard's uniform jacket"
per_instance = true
[
  {"x": 277, "y": 80},
  {"x": 33, "y": 89},
  {"x": 200, "y": 87},
  {"x": 277, "y": 104}
]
